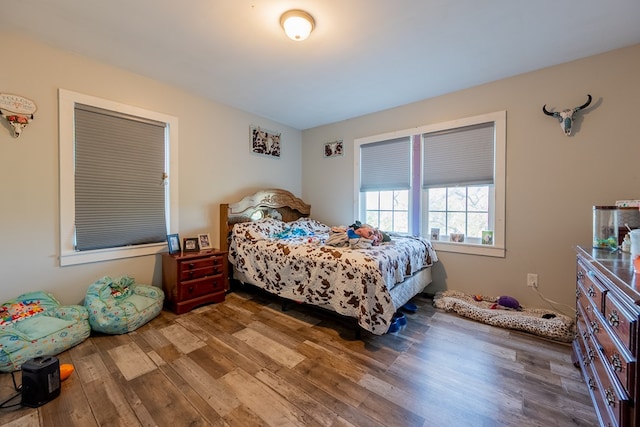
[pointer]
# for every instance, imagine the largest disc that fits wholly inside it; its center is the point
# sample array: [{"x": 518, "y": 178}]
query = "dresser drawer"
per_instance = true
[
  {"x": 593, "y": 290},
  {"x": 204, "y": 286},
  {"x": 611, "y": 394},
  {"x": 615, "y": 356},
  {"x": 609, "y": 412},
  {"x": 622, "y": 323},
  {"x": 193, "y": 268}
]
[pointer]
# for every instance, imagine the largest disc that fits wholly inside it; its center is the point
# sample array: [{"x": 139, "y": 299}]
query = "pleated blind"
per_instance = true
[
  {"x": 386, "y": 165},
  {"x": 462, "y": 156},
  {"x": 119, "y": 179}
]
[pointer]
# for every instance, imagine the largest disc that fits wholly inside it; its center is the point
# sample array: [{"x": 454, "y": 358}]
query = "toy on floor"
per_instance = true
[
  {"x": 66, "y": 369},
  {"x": 502, "y": 302}
]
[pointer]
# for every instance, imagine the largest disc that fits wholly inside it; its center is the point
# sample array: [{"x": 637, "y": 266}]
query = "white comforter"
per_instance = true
[{"x": 300, "y": 267}]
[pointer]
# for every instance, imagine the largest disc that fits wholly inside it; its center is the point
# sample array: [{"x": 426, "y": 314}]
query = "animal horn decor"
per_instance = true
[
  {"x": 17, "y": 110},
  {"x": 565, "y": 117}
]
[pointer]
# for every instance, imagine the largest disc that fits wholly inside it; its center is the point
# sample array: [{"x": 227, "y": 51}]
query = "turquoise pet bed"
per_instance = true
[
  {"x": 118, "y": 306},
  {"x": 36, "y": 324}
]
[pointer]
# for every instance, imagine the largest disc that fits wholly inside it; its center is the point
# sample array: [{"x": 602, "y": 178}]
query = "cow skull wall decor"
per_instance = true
[
  {"x": 565, "y": 117},
  {"x": 18, "y": 111}
]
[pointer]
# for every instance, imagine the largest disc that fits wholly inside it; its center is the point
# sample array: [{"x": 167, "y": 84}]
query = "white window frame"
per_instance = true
[
  {"x": 67, "y": 101},
  {"x": 499, "y": 119}
]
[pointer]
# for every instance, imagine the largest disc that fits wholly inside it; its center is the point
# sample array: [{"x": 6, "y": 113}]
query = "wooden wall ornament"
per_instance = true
[{"x": 17, "y": 110}]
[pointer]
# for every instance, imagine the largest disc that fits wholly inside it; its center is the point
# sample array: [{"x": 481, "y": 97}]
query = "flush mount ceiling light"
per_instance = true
[{"x": 298, "y": 24}]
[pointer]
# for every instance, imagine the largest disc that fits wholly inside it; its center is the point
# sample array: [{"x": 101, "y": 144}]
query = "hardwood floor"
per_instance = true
[{"x": 244, "y": 362}]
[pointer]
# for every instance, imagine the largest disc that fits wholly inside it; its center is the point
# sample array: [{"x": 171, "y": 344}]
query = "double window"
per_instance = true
[
  {"x": 116, "y": 198},
  {"x": 441, "y": 181}
]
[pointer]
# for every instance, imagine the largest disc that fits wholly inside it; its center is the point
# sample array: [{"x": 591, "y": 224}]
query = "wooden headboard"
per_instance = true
[{"x": 276, "y": 203}]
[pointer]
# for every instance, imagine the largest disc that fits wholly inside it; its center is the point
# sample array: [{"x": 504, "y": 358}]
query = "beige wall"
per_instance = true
[
  {"x": 552, "y": 180},
  {"x": 216, "y": 165}
]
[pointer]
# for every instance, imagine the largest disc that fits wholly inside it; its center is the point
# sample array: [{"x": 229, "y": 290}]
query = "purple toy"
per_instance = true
[{"x": 509, "y": 302}]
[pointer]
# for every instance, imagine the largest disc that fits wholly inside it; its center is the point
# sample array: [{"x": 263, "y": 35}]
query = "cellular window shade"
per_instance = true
[
  {"x": 385, "y": 165},
  {"x": 462, "y": 156},
  {"x": 119, "y": 171}
]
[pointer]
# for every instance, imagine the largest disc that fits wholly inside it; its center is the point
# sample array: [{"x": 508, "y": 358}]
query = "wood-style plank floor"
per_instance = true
[{"x": 244, "y": 362}]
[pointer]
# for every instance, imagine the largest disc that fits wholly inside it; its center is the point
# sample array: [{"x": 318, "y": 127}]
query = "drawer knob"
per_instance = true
[
  {"x": 191, "y": 289},
  {"x": 611, "y": 398},
  {"x": 614, "y": 318},
  {"x": 580, "y": 275},
  {"x": 591, "y": 354},
  {"x": 594, "y": 327},
  {"x": 591, "y": 292},
  {"x": 616, "y": 362},
  {"x": 592, "y": 383},
  {"x": 191, "y": 265}
]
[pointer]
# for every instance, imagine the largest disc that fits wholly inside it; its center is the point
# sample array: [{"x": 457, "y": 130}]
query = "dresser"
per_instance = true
[
  {"x": 606, "y": 344},
  {"x": 191, "y": 279}
]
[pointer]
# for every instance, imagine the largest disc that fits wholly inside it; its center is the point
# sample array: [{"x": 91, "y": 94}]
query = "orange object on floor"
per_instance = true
[{"x": 66, "y": 370}]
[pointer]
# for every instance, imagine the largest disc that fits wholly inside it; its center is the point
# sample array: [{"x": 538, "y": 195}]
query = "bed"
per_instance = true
[{"x": 274, "y": 245}]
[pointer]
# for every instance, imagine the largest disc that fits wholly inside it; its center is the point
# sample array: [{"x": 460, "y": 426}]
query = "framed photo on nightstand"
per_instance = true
[
  {"x": 173, "y": 243},
  {"x": 190, "y": 244},
  {"x": 204, "y": 241}
]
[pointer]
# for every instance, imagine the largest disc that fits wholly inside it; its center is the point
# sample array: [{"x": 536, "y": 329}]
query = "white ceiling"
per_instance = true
[{"x": 363, "y": 56}]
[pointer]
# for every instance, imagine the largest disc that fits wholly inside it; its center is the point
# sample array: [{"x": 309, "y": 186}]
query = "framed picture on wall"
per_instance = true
[
  {"x": 173, "y": 243},
  {"x": 333, "y": 149},
  {"x": 265, "y": 142}
]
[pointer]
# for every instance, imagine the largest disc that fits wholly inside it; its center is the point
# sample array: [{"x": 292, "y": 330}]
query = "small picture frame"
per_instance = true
[
  {"x": 265, "y": 142},
  {"x": 204, "y": 241},
  {"x": 487, "y": 237},
  {"x": 435, "y": 234},
  {"x": 173, "y": 243},
  {"x": 333, "y": 149},
  {"x": 190, "y": 244}
]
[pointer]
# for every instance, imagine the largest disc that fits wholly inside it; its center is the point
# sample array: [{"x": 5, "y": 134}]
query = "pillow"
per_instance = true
[
  {"x": 14, "y": 312},
  {"x": 258, "y": 230},
  {"x": 311, "y": 226}
]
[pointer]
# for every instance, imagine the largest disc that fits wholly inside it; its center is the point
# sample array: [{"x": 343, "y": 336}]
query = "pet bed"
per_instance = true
[
  {"x": 541, "y": 322},
  {"x": 119, "y": 306}
]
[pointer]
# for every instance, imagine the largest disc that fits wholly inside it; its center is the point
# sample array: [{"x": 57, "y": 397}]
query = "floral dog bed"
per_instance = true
[
  {"x": 541, "y": 322},
  {"x": 36, "y": 324},
  {"x": 119, "y": 306}
]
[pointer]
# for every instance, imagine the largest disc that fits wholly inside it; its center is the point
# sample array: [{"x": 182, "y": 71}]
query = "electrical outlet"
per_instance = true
[{"x": 532, "y": 280}]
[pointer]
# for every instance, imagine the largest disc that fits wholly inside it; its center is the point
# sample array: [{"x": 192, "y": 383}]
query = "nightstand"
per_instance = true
[{"x": 191, "y": 279}]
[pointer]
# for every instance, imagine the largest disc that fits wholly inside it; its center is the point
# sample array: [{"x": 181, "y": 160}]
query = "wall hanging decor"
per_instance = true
[
  {"x": 265, "y": 142},
  {"x": 17, "y": 110},
  {"x": 332, "y": 149},
  {"x": 565, "y": 117}
]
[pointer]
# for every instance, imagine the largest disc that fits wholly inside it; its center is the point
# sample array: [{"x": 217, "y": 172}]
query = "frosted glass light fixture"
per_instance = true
[{"x": 297, "y": 24}]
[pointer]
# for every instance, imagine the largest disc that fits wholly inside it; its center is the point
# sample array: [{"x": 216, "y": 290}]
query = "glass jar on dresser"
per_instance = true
[{"x": 606, "y": 343}]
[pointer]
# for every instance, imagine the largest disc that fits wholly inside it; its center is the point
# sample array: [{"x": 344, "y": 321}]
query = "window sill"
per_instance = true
[
  {"x": 469, "y": 248},
  {"x": 85, "y": 257}
]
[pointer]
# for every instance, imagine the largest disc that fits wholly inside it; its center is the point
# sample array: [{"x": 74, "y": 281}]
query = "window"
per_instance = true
[
  {"x": 455, "y": 182},
  {"x": 118, "y": 179}
]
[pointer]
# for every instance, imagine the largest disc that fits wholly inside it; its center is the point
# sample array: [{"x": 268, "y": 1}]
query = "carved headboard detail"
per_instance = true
[{"x": 275, "y": 203}]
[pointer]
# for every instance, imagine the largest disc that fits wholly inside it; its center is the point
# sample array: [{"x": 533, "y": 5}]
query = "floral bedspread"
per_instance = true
[{"x": 293, "y": 261}]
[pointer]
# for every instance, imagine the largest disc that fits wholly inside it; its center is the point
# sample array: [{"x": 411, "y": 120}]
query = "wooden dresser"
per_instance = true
[
  {"x": 606, "y": 345},
  {"x": 191, "y": 279}
]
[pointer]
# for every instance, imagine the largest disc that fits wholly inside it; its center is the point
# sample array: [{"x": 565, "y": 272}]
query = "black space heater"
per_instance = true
[{"x": 40, "y": 381}]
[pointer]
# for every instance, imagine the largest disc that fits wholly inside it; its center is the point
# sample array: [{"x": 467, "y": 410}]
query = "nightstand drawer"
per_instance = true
[{"x": 204, "y": 286}]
